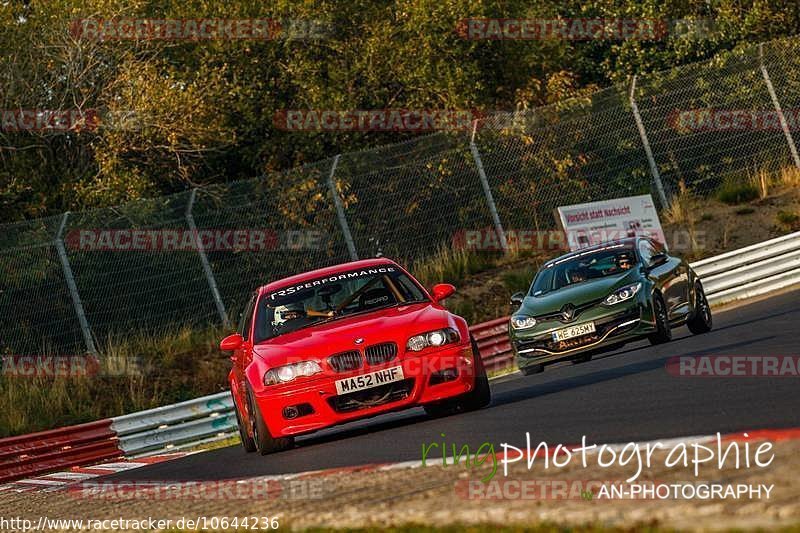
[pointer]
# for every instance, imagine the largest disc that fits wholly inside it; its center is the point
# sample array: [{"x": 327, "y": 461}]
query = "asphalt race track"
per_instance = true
[{"x": 623, "y": 396}]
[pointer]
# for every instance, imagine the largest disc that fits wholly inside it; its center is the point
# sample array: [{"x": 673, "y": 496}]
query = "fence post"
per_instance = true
[
  {"x": 212, "y": 283},
  {"x": 777, "y": 104},
  {"x": 348, "y": 237},
  {"x": 73, "y": 288},
  {"x": 650, "y": 159},
  {"x": 487, "y": 191}
]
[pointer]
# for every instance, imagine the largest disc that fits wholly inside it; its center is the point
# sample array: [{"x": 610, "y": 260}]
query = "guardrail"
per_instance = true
[
  {"x": 751, "y": 271},
  {"x": 39, "y": 453},
  {"x": 735, "y": 275}
]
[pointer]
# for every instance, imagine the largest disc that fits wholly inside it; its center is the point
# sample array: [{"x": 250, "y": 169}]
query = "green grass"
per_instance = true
[
  {"x": 449, "y": 265},
  {"x": 745, "y": 211},
  {"x": 518, "y": 280},
  {"x": 788, "y": 218},
  {"x": 137, "y": 372},
  {"x": 733, "y": 192}
]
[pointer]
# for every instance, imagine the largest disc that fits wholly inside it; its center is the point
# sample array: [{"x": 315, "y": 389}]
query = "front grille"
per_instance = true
[
  {"x": 391, "y": 392},
  {"x": 547, "y": 342},
  {"x": 342, "y": 362},
  {"x": 578, "y": 310},
  {"x": 381, "y": 353}
]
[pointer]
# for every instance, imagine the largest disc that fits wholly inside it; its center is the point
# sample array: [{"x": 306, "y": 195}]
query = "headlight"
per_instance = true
[
  {"x": 282, "y": 374},
  {"x": 522, "y": 322},
  {"x": 622, "y": 294},
  {"x": 439, "y": 337}
]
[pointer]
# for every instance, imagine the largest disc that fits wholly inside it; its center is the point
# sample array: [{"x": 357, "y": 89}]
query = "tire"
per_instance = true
[
  {"x": 479, "y": 397},
  {"x": 264, "y": 441},
  {"x": 248, "y": 443},
  {"x": 702, "y": 320},
  {"x": 531, "y": 370},
  {"x": 663, "y": 332}
]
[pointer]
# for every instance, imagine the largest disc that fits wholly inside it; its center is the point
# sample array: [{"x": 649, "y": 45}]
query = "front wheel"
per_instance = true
[
  {"x": 265, "y": 442},
  {"x": 248, "y": 443},
  {"x": 701, "y": 322},
  {"x": 663, "y": 332},
  {"x": 480, "y": 396}
]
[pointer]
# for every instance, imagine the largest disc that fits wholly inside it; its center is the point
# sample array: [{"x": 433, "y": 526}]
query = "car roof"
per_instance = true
[
  {"x": 629, "y": 241},
  {"x": 322, "y": 272}
]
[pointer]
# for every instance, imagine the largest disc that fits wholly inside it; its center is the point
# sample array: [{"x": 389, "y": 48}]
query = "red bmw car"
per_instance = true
[{"x": 344, "y": 343}]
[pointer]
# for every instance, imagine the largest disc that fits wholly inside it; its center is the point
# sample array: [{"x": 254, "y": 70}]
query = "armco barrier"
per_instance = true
[
  {"x": 39, "y": 453},
  {"x": 174, "y": 426},
  {"x": 735, "y": 275},
  {"x": 751, "y": 271}
]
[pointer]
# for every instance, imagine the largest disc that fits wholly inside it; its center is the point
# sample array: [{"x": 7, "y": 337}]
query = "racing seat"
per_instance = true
[{"x": 375, "y": 297}]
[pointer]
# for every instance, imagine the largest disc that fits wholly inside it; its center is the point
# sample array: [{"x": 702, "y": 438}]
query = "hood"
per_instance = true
[
  {"x": 395, "y": 324},
  {"x": 577, "y": 294}
]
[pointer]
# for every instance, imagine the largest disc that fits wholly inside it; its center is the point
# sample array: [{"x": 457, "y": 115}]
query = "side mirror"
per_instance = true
[
  {"x": 517, "y": 298},
  {"x": 441, "y": 291},
  {"x": 231, "y": 343},
  {"x": 658, "y": 259}
]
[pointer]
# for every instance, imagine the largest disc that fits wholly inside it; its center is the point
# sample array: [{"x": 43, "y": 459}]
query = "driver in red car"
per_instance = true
[{"x": 289, "y": 315}]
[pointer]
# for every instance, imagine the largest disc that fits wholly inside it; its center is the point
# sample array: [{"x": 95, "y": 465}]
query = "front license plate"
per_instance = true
[
  {"x": 367, "y": 381},
  {"x": 573, "y": 331}
]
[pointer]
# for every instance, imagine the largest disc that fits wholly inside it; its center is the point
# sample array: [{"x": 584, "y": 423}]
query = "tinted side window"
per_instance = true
[{"x": 247, "y": 318}]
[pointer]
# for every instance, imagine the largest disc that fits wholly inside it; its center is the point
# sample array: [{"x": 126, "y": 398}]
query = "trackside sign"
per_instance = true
[{"x": 596, "y": 222}]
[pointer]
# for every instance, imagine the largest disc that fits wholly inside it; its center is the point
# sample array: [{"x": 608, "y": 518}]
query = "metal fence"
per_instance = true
[{"x": 706, "y": 125}]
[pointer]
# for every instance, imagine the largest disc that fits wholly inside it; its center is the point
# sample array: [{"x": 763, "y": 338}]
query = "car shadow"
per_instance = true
[
  {"x": 542, "y": 389},
  {"x": 534, "y": 390}
]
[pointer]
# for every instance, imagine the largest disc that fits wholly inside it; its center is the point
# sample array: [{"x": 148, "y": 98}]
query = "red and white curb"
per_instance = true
[
  {"x": 62, "y": 480},
  {"x": 77, "y": 474}
]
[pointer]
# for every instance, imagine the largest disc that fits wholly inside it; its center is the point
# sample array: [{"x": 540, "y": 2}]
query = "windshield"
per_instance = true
[
  {"x": 332, "y": 297},
  {"x": 589, "y": 265}
]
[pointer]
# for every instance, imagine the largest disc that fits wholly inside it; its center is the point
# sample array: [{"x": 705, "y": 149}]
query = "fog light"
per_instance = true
[
  {"x": 443, "y": 376},
  {"x": 294, "y": 411}
]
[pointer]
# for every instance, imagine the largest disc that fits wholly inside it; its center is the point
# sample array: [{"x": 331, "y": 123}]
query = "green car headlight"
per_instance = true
[
  {"x": 622, "y": 294},
  {"x": 522, "y": 322}
]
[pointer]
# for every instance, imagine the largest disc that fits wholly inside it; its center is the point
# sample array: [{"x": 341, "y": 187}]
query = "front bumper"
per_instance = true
[
  {"x": 319, "y": 396},
  {"x": 614, "y": 326}
]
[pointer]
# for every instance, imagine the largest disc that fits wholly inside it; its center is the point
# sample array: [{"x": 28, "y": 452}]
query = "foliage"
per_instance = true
[{"x": 181, "y": 114}]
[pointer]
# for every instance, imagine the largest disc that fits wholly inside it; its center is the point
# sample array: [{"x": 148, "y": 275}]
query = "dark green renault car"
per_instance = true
[{"x": 597, "y": 299}]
